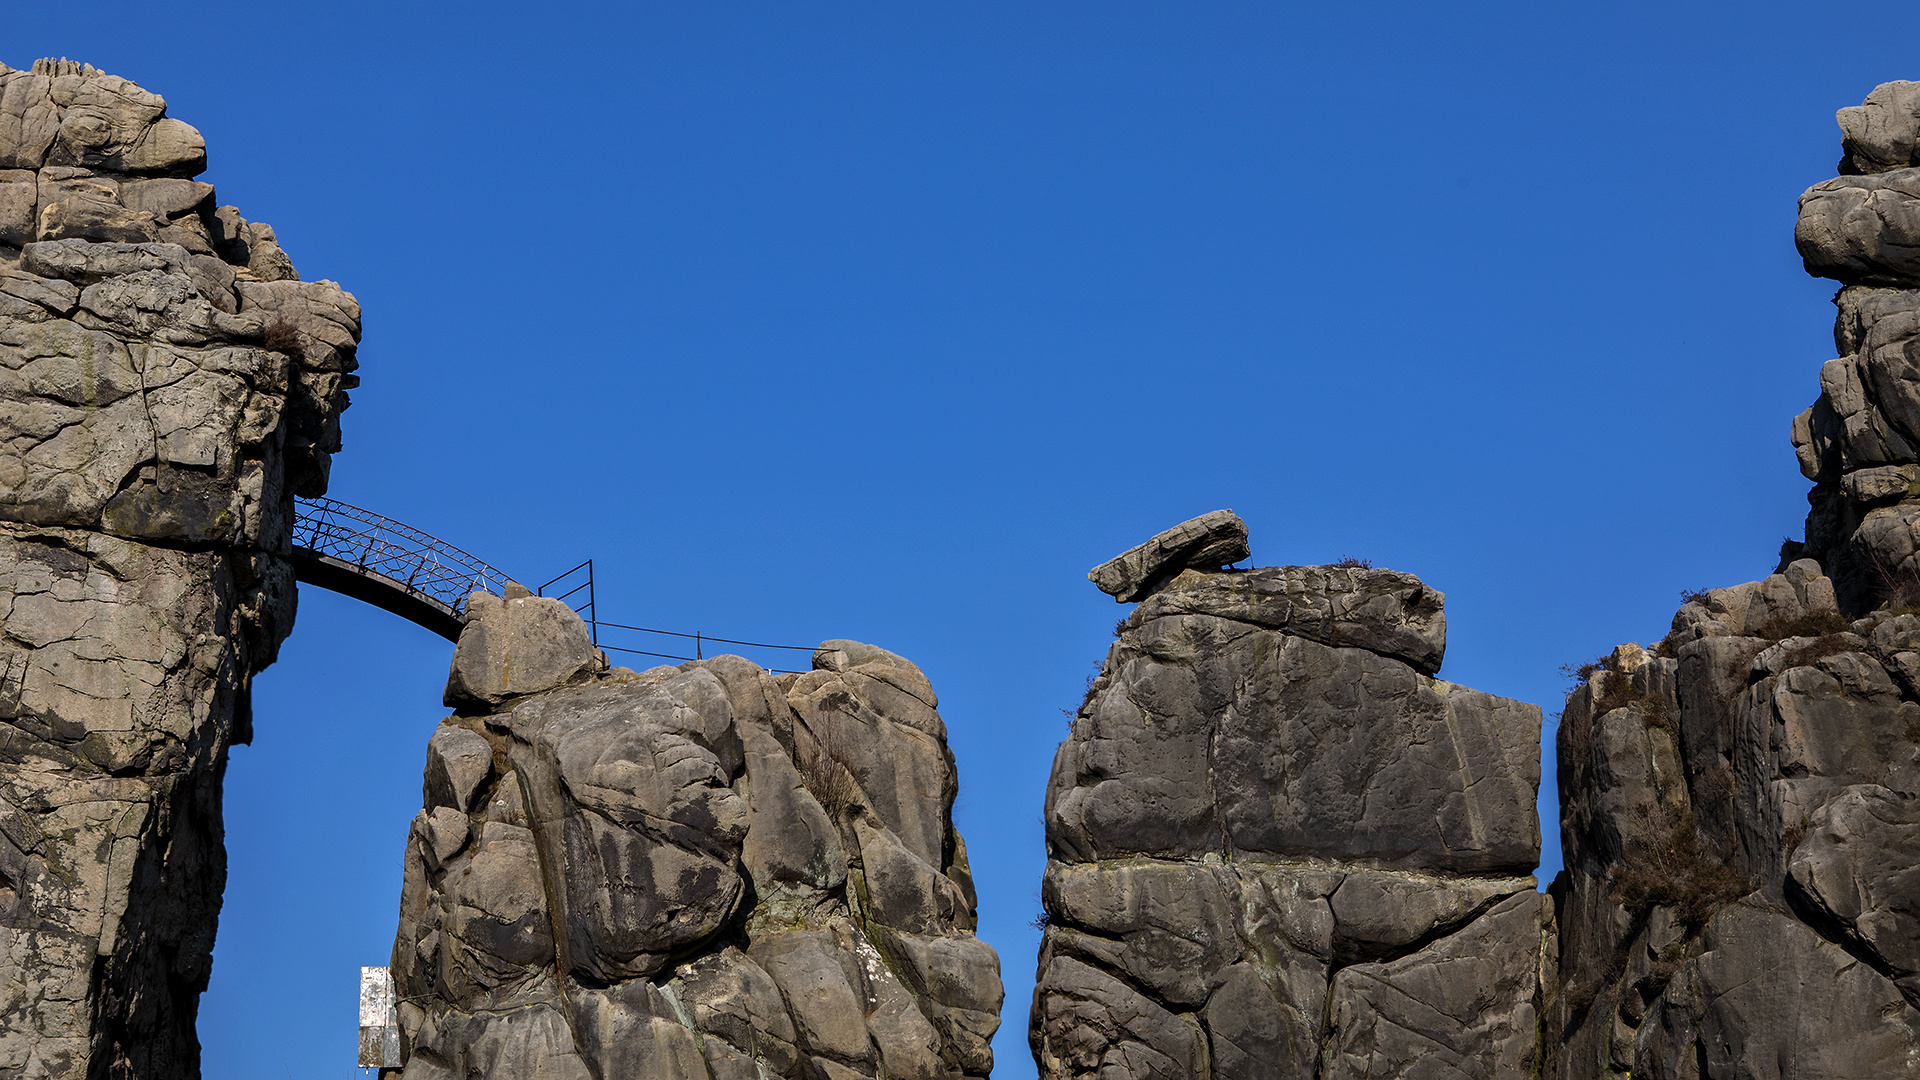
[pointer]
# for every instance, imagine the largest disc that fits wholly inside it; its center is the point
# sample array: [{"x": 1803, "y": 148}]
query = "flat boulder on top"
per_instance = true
[{"x": 1207, "y": 542}]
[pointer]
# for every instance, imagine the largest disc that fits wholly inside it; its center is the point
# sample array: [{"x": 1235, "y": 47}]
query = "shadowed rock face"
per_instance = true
[
  {"x": 1738, "y": 815},
  {"x": 1278, "y": 847},
  {"x": 1739, "y": 805},
  {"x": 701, "y": 871},
  {"x": 166, "y": 385},
  {"x": 1860, "y": 441}
]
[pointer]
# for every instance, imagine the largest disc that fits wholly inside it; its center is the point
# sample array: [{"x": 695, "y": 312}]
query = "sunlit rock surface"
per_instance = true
[
  {"x": 701, "y": 871},
  {"x": 167, "y": 384},
  {"x": 1279, "y": 847}
]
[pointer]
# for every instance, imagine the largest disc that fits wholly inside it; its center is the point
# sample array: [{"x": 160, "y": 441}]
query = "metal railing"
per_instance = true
[
  {"x": 367, "y": 548},
  {"x": 402, "y": 554},
  {"x": 574, "y": 577}
]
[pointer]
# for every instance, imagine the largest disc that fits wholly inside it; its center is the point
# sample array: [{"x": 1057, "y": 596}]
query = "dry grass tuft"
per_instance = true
[
  {"x": 281, "y": 337},
  {"x": 1673, "y": 871},
  {"x": 829, "y": 771}
]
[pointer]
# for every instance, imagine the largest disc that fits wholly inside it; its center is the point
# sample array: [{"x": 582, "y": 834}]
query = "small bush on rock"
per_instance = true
[
  {"x": 281, "y": 337},
  {"x": 1897, "y": 587},
  {"x": 1813, "y": 651},
  {"x": 1816, "y": 625},
  {"x": 1672, "y": 871},
  {"x": 1579, "y": 673},
  {"x": 1715, "y": 784},
  {"x": 1352, "y": 562},
  {"x": 828, "y": 771},
  {"x": 1093, "y": 687}
]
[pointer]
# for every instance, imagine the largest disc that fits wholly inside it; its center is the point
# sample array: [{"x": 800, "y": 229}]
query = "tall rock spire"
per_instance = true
[{"x": 167, "y": 385}]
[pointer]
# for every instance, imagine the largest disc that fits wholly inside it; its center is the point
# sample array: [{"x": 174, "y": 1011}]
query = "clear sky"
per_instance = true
[{"x": 887, "y": 321}]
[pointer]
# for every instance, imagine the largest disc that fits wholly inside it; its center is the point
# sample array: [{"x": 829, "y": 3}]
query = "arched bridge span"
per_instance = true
[
  {"x": 421, "y": 578},
  {"x": 391, "y": 565}
]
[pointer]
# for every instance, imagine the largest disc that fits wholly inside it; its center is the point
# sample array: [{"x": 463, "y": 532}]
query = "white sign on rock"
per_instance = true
[{"x": 379, "y": 1022}]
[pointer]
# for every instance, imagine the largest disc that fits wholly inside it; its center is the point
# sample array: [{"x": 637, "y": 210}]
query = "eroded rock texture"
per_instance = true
[
  {"x": 1279, "y": 847},
  {"x": 1860, "y": 442},
  {"x": 166, "y": 385},
  {"x": 1738, "y": 805},
  {"x": 1737, "y": 816},
  {"x": 695, "y": 871}
]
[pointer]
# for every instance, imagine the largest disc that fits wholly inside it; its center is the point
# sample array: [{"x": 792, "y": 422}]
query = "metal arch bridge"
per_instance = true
[
  {"x": 393, "y": 566},
  {"x": 425, "y": 580}
]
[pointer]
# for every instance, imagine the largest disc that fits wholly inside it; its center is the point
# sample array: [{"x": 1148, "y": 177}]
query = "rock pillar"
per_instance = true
[
  {"x": 167, "y": 385},
  {"x": 699, "y": 871},
  {"x": 1278, "y": 845},
  {"x": 1740, "y": 804}
]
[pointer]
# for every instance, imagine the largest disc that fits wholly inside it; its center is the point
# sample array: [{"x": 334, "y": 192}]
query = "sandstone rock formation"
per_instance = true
[
  {"x": 694, "y": 871},
  {"x": 1279, "y": 847},
  {"x": 1740, "y": 805},
  {"x": 1207, "y": 542},
  {"x": 167, "y": 384},
  {"x": 1860, "y": 442}
]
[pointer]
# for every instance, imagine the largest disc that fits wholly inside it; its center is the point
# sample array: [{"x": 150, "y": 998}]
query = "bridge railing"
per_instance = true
[
  {"x": 396, "y": 551},
  {"x": 349, "y": 547}
]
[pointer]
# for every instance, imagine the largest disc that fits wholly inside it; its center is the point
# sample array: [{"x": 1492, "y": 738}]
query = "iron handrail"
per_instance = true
[
  {"x": 373, "y": 544},
  {"x": 370, "y": 546}
]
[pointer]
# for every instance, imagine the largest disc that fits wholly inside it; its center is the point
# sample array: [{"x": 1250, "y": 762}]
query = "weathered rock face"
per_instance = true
[
  {"x": 695, "y": 871},
  {"x": 1738, "y": 805},
  {"x": 1860, "y": 442},
  {"x": 1207, "y": 542},
  {"x": 1278, "y": 847},
  {"x": 1736, "y": 816},
  {"x": 166, "y": 385}
]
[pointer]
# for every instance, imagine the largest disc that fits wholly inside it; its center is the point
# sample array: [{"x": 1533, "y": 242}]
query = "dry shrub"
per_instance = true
[
  {"x": 1694, "y": 596},
  {"x": 1353, "y": 562},
  {"x": 1615, "y": 691},
  {"x": 1715, "y": 784},
  {"x": 828, "y": 770},
  {"x": 1673, "y": 871},
  {"x": 1790, "y": 839},
  {"x": 1120, "y": 627},
  {"x": 1093, "y": 687},
  {"x": 281, "y": 337},
  {"x": 1653, "y": 709},
  {"x": 1780, "y": 628},
  {"x": 1576, "y": 730},
  {"x": 1813, "y": 651},
  {"x": 1898, "y": 589},
  {"x": 1581, "y": 672}
]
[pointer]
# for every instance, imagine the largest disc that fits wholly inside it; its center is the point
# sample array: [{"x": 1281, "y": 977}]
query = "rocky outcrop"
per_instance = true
[
  {"x": 166, "y": 385},
  {"x": 1279, "y": 847},
  {"x": 696, "y": 871},
  {"x": 1207, "y": 542},
  {"x": 1860, "y": 441},
  {"x": 1738, "y": 803},
  {"x": 1735, "y": 817}
]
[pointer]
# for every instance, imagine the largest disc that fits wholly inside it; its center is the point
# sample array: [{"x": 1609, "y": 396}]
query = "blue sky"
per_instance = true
[{"x": 887, "y": 321}]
